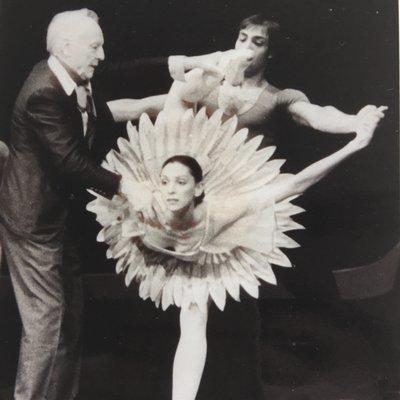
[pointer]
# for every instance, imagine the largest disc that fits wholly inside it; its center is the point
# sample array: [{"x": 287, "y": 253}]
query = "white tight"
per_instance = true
[{"x": 190, "y": 354}]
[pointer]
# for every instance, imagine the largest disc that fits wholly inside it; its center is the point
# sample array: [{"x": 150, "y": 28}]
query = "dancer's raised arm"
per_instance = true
[{"x": 300, "y": 182}]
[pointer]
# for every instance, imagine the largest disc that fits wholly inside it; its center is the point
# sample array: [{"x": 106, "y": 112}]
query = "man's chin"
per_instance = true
[
  {"x": 253, "y": 69},
  {"x": 87, "y": 75}
]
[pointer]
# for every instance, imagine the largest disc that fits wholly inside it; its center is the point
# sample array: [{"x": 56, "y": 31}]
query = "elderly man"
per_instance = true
[{"x": 60, "y": 130}]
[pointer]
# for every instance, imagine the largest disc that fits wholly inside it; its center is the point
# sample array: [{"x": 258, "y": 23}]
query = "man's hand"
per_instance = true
[
  {"x": 367, "y": 116},
  {"x": 368, "y": 120},
  {"x": 140, "y": 198}
]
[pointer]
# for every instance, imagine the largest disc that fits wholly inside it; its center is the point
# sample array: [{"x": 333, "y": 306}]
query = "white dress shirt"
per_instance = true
[{"x": 68, "y": 84}]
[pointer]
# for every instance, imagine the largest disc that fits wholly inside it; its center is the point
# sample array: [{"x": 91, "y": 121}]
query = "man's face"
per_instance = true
[
  {"x": 85, "y": 49},
  {"x": 255, "y": 38}
]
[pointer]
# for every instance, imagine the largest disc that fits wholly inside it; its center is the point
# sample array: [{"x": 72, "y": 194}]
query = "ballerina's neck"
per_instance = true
[{"x": 183, "y": 219}]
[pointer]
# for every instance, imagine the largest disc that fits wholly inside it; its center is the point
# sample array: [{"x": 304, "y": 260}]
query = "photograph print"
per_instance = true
[{"x": 199, "y": 200}]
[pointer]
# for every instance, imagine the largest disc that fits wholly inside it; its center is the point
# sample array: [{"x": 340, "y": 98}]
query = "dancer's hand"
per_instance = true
[
  {"x": 368, "y": 114},
  {"x": 368, "y": 120}
]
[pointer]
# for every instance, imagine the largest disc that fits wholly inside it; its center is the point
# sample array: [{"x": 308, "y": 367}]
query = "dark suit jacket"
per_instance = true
[{"x": 49, "y": 159}]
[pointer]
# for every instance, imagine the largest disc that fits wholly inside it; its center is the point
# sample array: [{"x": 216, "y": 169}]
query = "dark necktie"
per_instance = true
[{"x": 86, "y": 104}]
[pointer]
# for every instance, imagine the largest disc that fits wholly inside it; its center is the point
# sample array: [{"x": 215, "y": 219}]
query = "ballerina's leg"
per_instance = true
[{"x": 190, "y": 354}]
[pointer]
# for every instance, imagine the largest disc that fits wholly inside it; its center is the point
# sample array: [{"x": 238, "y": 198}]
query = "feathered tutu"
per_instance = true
[{"x": 221, "y": 258}]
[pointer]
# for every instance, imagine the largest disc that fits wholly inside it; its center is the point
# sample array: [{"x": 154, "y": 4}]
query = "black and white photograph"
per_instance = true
[{"x": 199, "y": 200}]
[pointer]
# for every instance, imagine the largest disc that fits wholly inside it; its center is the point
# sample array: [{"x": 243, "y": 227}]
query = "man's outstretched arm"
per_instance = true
[
  {"x": 329, "y": 119},
  {"x": 124, "y": 110}
]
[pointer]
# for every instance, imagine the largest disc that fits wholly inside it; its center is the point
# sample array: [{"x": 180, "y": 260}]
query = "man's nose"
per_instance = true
[
  {"x": 248, "y": 44},
  {"x": 100, "y": 53}
]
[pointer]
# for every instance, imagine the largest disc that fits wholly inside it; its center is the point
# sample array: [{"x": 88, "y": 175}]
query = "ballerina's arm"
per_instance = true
[{"x": 300, "y": 182}]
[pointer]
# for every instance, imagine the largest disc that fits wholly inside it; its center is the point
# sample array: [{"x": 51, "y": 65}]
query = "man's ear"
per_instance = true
[
  {"x": 199, "y": 189},
  {"x": 65, "y": 48}
]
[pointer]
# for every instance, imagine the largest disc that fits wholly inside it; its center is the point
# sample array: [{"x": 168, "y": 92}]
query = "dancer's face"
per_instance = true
[
  {"x": 255, "y": 38},
  {"x": 178, "y": 186}
]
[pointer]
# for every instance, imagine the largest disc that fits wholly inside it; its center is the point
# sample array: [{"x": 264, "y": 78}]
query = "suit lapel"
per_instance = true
[
  {"x": 73, "y": 111},
  {"x": 71, "y": 103}
]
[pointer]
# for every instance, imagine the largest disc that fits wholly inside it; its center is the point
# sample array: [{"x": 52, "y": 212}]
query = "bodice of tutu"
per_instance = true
[
  {"x": 225, "y": 226},
  {"x": 182, "y": 244}
]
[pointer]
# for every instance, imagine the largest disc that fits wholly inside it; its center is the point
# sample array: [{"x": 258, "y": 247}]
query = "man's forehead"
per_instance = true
[
  {"x": 255, "y": 30},
  {"x": 90, "y": 30}
]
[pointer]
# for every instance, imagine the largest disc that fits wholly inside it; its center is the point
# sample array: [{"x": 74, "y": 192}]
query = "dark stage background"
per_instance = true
[{"x": 341, "y": 53}]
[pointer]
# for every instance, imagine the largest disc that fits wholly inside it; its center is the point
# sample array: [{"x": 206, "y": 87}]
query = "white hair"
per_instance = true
[{"x": 64, "y": 25}]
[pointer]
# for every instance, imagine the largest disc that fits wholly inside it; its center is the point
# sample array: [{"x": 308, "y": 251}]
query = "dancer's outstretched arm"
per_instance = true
[
  {"x": 298, "y": 183},
  {"x": 195, "y": 77},
  {"x": 131, "y": 109},
  {"x": 292, "y": 185},
  {"x": 197, "y": 84},
  {"x": 329, "y": 119},
  {"x": 326, "y": 119}
]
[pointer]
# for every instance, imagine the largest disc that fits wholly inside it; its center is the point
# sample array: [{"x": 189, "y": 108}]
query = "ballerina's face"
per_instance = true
[
  {"x": 178, "y": 186},
  {"x": 255, "y": 38}
]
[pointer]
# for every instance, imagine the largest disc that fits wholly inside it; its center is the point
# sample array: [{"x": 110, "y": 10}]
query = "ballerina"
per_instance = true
[{"x": 203, "y": 214}]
